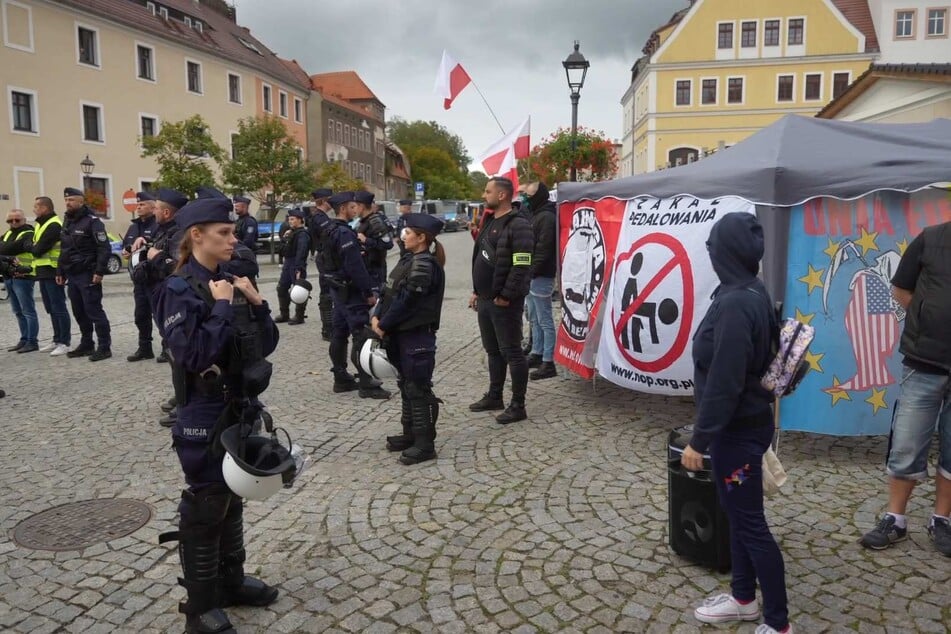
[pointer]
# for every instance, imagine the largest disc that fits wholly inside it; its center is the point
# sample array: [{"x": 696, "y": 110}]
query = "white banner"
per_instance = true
[{"x": 659, "y": 291}]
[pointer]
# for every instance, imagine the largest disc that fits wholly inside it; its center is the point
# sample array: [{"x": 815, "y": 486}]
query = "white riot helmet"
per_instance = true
[
  {"x": 300, "y": 291},
  {"x": 373, "y": 361},
  {"x": 257, "y": 466}
]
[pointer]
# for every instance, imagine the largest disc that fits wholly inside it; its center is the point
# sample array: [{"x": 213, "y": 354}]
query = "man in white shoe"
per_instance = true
[{"x": 46, "y": 247}]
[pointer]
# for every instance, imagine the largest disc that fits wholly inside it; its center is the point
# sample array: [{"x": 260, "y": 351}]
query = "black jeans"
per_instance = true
[{"x": 501, "y": 330}]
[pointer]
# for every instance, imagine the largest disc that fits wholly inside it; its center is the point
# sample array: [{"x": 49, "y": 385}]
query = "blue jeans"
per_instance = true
[
  {"x": 54, "y": 302},
  {"x": 737, "y": 457},
  {"x": 925, "y": 402},
  {"x": 540, "y": 317},
  {"x": 24, "y": 308}
]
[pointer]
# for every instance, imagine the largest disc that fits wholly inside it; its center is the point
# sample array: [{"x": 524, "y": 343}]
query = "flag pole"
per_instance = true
[{"x": 492, "y": 112}]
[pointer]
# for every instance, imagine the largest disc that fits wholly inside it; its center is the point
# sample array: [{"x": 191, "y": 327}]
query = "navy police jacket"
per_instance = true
[
  {"x": 198, "y": 337},
  {"x": 84, "y": 246},
  {"x": 142, "y": 227},
  {"x": 246, "y": 231},
  {"x": 346, "y": 261}
]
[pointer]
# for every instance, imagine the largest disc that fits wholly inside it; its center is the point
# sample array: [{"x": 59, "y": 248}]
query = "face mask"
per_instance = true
[
  {"x": 523, "y": 198},
  {"x": 353, "y": 223}
]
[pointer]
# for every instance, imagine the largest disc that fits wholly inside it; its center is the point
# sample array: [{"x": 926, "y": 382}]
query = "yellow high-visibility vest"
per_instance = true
[
  {"x": 25, "y": 259},
  {"x": 51, "y": 257}
]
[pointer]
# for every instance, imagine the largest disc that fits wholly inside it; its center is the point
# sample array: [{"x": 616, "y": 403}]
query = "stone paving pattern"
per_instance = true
[{"x": 558, "y": 523}]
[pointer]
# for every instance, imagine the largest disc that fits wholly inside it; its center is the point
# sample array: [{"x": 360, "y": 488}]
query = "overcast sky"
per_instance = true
[{"x": 513, "y": 50}]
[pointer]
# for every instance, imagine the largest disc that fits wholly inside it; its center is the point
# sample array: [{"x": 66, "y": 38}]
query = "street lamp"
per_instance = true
[
  {"x": 576, "y": 68},
  {"x": 87, "y": 167}
]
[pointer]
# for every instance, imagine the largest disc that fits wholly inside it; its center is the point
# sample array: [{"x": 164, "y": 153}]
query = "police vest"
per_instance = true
[
  {"x": 25, "y": 259},
  {"x": 51, "y": 257},
  {"x": 427, "y": 309}
]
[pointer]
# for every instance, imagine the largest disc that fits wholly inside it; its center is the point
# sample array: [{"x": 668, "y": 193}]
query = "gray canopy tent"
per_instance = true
[{"x": 792, "y": 161}]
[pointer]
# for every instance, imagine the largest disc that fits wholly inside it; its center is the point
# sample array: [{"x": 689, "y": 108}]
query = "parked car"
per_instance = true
[
  {"x": 116, "y": 260},
  {"x": 447, "y": 211},
  {"x": 268, "y": 230}
]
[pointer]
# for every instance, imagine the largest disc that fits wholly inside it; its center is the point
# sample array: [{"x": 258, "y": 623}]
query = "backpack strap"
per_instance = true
[{"x": 200, "y": 289}]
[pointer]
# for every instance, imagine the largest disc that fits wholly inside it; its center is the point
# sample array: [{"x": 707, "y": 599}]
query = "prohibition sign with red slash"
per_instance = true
[{"x": 679, "y": 260}]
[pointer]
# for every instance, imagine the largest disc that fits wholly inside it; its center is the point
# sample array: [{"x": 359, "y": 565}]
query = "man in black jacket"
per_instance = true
[
  {"x": 46, "y": 248},
  {"x": 501, "y": 270},
  {"x": 16, "y": 243},
  {"x": 142, "y": 226},
  {"x": 293, "y": 268},
  {"x": 82, "y": 263},
  {"x": 540, "y": 314}
]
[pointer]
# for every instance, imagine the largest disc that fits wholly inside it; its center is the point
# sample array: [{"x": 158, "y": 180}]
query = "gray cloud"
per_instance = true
[{"x": 512, "y": 49}]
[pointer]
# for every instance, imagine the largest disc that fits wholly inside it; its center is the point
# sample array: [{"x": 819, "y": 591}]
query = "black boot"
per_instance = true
[
  {"x": 169, "y": 419},
  {"x": 370, "y": 388},
  {"x": 198, "y": 549},
  {"x": 343, "y": 380},
  {"x": 169, "y": 405},
  {"x": 236, "y": 588},
  {"x": 404, "y": 440},
  {"x": 144, "y": 352},
  {"x": 425, "y": 412},
  {"x": 299, "y": 313},
  {"x": 488, "y": 402},
  {"x": 283, "y": 305},
  {"x": 513, "y": 413},
  {"x": 534, "y": 360},
  {"x": 325, "y": 306},
  {"x": 545, "y": 371}
]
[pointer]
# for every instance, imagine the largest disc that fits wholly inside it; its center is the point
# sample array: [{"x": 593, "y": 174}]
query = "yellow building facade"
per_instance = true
[
  {"x": 722, "y": 69},
  {"x": 79, "y": 83}
]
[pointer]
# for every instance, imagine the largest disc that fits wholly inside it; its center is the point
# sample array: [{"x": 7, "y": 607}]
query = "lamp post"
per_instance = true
[
  {"x": 576, "y": 68},
  {"x": 87, "y": 167}
]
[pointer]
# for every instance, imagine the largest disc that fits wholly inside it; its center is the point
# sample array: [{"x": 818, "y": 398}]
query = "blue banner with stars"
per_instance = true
[{"x": 842, "y": 255}]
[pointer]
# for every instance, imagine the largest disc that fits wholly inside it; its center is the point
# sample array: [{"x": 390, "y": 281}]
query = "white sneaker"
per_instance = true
[
  {"x": 765, "y": 629},
  {"x": 49, "y": 347},
  {"x": 59, "y": 350},
  {"x": 723, "y": 608}
]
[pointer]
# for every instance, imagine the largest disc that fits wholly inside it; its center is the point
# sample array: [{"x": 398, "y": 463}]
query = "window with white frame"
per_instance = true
[
  {"x": 795, "y": 31},
  {"x": 784, "y": 87},
  {"x": 145, "y": 62},
  {"x": 23, "y": 116},
  {"x": 298, "y": 110},
  {"x": 937, "y": 22},
  {"x": 193, "y": 72},
  {"x": 234, "y": 88},
  {"x": 163, "y": 13},
  {"x": 331, "y": 138},
  {"x": 148, "y": 126},
  {"x": 92, "y": 123},
  {"x": 748, "y": 35},
  {"x": 88, "y": 42},
  {"x": 346, "y": 135},
  {"x": 813, "y": 86},
  {"x": 339, "y": 132},
  {"x": 905, "y": 24},
  {"x": 282, "y": 103},
  {"x": 725, "y": 35},
  {"x": 708, "y": 92},
  {"x": 734, "y": 90},
  {"x": 199, "y": 26},
  {"x": 771, "y": 33},
  {"x": 151, "y": 7},
  {"x": 188, "y": 21},
  {"x": 683, "y": 90},
  {"x": 840, "y": 83},
  {"x": 266, "y": 95}
]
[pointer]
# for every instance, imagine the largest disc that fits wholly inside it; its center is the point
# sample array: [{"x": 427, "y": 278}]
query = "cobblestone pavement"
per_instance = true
[{"x": 558, "y": 523}]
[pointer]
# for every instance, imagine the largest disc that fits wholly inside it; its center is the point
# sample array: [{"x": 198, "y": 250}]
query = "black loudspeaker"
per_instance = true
[{"x": 698, "y": 528}]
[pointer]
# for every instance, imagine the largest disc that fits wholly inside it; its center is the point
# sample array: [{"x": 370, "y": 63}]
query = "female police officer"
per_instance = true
[
  {"x": 206, "y": 316},
  {"x": 408, "y": 317}
]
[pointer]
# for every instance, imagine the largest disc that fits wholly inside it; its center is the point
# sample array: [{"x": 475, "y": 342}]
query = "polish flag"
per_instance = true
[
  {"x": 518, "y": 140},
  {"x": 451, "y": 79}
]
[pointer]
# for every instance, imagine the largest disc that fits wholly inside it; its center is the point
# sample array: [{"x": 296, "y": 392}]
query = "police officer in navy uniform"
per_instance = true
[
  {"x": 219, "y": 330},
  {"x": 83, "y": 259},
  {"x": 319, "y": 227},
  {"x": 407, "y": 319},
  {"x": 246, "y": 227},
  {"x": 406, "y": 208},
  {"x": 373, "y": 231},
  {"x": 296, "y": 253},
  {"x": 354, "y": 292},
  {"x": 142, "y": 226}
]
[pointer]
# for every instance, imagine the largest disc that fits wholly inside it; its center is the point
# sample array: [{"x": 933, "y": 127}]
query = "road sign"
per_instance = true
[
  {"x": 420, "y": 189},
  {"x": 129, "y": 200}
]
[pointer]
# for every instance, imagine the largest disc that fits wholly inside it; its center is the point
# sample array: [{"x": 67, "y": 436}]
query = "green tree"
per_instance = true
[
  {"x": 413, "y": 135},
  {"x": 438, "y": 171},
  {"x": 550, "y": 161},
  {"x": 267, "y": 159},
  {"x": 477, "y": 181},
  {"x": 332, "y": 175},
  {"x": 185, "y": 152}
]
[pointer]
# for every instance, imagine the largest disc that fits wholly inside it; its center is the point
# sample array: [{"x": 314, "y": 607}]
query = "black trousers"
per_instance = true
[
  {"x": 86, "y": 301},
  {"x": 501, "y": 330},
  {"x": 143, "y": 315}
]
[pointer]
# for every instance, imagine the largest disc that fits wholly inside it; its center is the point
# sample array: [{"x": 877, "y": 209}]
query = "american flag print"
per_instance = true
[{"x": 872, "y": 326}]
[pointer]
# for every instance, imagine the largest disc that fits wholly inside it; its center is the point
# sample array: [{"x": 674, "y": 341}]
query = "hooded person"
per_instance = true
[
  {"x": 544, "y": 262},
  {"x": 732, "y": 348}
]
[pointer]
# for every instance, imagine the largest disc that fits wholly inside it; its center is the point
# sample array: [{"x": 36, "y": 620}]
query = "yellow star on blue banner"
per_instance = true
[
  {"x": 806, "y": 319},
  {"x": 815, "y": 359},
  {"x": 832, "y": 249},
  {"x": 877, "y": 400},
  {"x": 837, "y": 393},
  {"x": 813, "y": 279},
  {"x": 867, "y": 241}
]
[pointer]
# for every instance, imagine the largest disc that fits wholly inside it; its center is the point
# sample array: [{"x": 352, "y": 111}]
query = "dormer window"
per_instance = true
[
  {"x": 199, "y": 26},
  {"x": 163, "y": 13},
  {"x": 151, "y": 7},
  {"x": 188, "y": 21},
  {"x": 250, "y": 46}
]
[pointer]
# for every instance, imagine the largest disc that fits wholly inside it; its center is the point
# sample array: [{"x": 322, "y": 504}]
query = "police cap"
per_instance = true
[
  {"x": 72, "y": 191},
  {"x": 212, "y": 209},
  {"x": 424, "y": 222},
  {"x": 323, "y": 192},
  {"x": 242, "y": 199},
  {"x": 144, "y": 196},
  {"x": 171, "y": 197},
  {"x": 296, "y": 212},
  {"x": 406, "y": 201},
  {"x": 363, "y": 197},
  {"x": 340, "y": 198}
]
